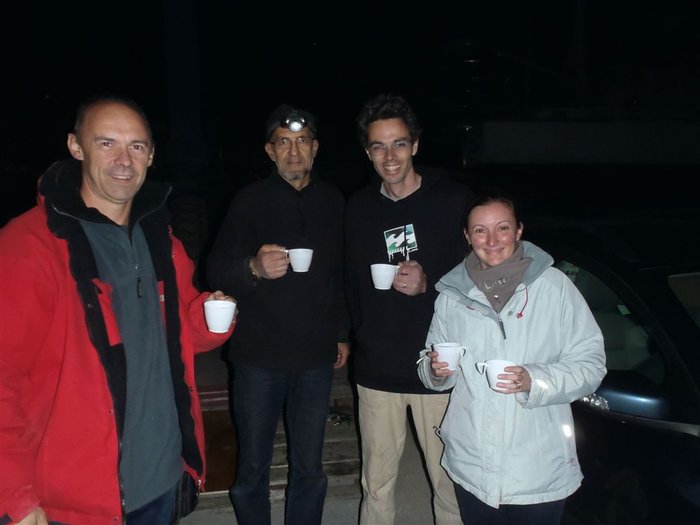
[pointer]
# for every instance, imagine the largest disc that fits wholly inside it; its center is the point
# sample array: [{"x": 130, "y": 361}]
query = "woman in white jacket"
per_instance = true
[{"x": 511, "y": 453}]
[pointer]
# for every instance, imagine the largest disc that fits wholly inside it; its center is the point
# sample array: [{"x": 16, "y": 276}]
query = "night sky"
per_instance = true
[{"x": 208, "y": 73}]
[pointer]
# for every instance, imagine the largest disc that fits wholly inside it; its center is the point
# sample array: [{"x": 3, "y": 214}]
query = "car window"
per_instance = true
[
  {"x": 686, "y": 286},
  {"x": 628, "y": 345}
]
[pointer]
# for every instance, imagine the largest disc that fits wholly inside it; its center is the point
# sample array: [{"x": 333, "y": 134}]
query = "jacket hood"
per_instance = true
[
  {"x": 59, "y": 190},
  {"x": 457, "y": 283},
  {"x": 430, "y": 177}
]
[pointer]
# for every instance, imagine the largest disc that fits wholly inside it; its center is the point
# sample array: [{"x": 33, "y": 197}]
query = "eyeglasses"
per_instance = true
[
  {"x": 285, "y": 142},
  {"x": 379, "y": 149}
]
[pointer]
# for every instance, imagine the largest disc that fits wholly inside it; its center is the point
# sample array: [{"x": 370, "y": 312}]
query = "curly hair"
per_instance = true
[{"x": 387, "y": 106}]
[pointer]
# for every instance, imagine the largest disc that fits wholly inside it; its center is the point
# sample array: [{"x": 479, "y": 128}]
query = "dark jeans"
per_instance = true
[
  {"x": 157, "y": 512},
  {"x": 259, "y": 397},
  {"x": 476, "y": 512}
]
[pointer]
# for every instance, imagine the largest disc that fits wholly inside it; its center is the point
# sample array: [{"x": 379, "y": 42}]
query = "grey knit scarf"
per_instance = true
[{"x": 498, "y": 282}]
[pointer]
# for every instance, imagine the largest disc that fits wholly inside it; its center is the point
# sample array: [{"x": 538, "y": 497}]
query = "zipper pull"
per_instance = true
[
  {"x": 500, "y": 323},
  {"x": 139, "y": 287}
]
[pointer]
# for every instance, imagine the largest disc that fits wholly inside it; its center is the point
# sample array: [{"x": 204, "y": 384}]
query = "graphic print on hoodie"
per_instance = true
[{"x": 400, "y": 241}]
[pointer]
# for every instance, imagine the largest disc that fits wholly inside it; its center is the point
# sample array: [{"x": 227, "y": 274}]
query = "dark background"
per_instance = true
[{"x": 208, "y": 73}]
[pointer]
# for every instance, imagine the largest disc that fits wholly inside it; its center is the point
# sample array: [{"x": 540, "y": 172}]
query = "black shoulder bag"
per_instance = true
[{"x": 186, "y": 498}]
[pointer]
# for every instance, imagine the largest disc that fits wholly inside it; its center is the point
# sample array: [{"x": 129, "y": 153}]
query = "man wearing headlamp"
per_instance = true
[{"x": 297, "y": 324}]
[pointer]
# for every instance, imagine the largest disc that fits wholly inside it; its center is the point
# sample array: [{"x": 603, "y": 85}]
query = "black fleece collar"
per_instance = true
[{"x": 60, "y": 188}]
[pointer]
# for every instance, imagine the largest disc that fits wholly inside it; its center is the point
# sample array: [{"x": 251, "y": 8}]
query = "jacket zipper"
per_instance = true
[{"x": 500, "y": 324}]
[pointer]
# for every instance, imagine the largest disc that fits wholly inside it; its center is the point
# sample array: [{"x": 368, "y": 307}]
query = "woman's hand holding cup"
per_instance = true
[{"x": 438, "y": 368}]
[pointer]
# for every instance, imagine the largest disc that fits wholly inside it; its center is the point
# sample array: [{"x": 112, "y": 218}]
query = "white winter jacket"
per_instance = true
[{"x": 516, "y": 448}]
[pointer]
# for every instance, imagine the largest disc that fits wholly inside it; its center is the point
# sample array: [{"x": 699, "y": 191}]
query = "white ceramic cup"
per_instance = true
[
  {"x": 300, "y": 258},
  {"x": 450, "y": 353},
  {"x": 219, "y": 315},
  {"x": 383, "y": 275},
  {"x": 493, "y": 368}
]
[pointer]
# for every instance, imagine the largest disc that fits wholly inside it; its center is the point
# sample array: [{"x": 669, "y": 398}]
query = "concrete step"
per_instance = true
[{"x": 341, "y": 455}]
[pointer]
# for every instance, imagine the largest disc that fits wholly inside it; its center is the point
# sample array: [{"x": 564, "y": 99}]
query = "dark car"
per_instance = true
[{"x": 638, "y": 436}]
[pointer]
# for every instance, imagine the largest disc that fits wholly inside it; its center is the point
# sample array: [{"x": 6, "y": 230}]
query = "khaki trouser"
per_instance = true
[{"x": 383, "y": 418}]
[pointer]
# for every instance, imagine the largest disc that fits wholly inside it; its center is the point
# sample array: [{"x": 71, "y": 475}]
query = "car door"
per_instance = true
[{"x": 638, "y": 436}]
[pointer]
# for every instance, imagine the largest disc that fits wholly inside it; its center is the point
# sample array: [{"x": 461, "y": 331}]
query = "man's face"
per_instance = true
[
  {"x": 390, "y": 149},
  {"x": 116, "y": 150},
  {"x": 292, "y": 152}
]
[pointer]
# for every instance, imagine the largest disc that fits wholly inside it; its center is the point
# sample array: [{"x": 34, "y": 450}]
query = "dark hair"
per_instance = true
[
  {"x": 488, "y": 195},
  {"x": 386, "y": 106},
  {"x": 98, "y": 100}
]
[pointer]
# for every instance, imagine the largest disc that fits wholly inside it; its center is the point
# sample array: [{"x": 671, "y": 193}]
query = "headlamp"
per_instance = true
[
  {"x": 287, "y": 117},
  {"x": 293, "y": 122}
]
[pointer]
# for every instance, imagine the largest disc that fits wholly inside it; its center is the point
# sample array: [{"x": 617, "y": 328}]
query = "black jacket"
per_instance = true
[{"x": 294, "y": 322}]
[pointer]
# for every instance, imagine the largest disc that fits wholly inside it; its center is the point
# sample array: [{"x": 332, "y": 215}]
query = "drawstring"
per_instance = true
[{"x": 520, "y": 313}]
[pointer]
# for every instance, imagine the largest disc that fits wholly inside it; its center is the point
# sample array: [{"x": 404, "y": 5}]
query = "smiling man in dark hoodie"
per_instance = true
[{"x": 409, "y": 217}]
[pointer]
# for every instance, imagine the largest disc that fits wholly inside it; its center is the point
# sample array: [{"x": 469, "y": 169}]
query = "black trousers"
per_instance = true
[{"x": 475, "y": 512}]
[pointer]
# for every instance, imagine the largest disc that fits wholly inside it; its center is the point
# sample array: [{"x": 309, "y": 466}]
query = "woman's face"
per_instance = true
[{"x": 492, "y": 232}]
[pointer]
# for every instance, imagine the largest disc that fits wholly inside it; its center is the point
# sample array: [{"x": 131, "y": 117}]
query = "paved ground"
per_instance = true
[
  {"x": 341, "y": 460},
  {"x": 342, "y": 502}
]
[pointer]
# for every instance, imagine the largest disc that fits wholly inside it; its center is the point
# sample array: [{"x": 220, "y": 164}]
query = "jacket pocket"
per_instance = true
[{"x": 104, "y": 296}]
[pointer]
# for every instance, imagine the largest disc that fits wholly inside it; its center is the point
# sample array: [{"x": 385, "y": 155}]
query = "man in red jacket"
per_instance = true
[{"x": 100, "y": 321}]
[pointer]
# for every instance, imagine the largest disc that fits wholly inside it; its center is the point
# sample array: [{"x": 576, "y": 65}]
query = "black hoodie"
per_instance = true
[{"x": 390, "y": 327}]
